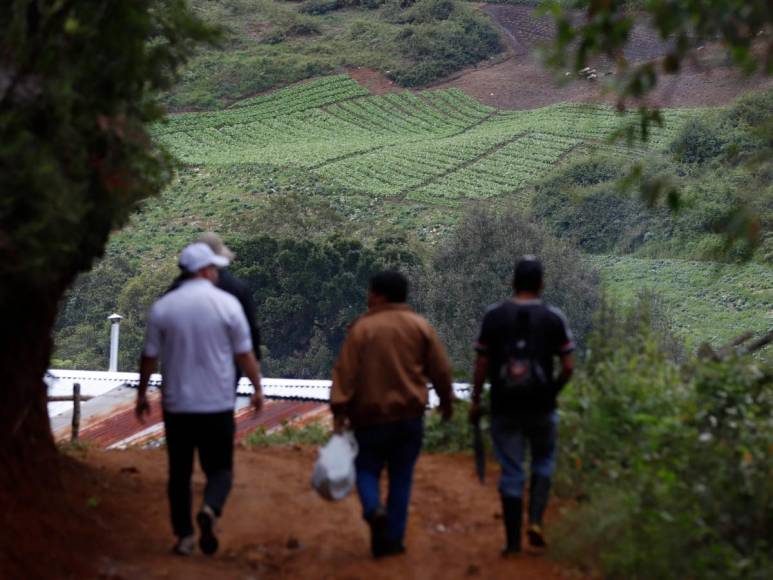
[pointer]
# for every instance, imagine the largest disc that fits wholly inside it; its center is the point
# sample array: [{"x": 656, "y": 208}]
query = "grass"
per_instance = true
[
  {"x": 436, "y": 147},
  {"x": 271, "y": 43},
  {"x": 315, "y": 434},
  {"x": 707, "y": 302}
]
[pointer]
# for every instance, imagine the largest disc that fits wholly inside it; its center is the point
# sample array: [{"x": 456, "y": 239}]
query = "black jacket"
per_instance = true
[{"x": 238, "y": 288}]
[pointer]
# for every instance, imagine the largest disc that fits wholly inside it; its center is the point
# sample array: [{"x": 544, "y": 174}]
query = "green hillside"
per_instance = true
[
  {"x": 267, "y": 44},
  {"x": 705, "y": 301},
  {"x": 431, "y": 146},
  {"x": 326, "y": 158}
]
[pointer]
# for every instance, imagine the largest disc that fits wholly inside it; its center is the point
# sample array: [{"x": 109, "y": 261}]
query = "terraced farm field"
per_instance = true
[
  {"x": 707, "y": 302},
  {"x": 436, "y": 147},
  {"x": 406, "y": 158}
]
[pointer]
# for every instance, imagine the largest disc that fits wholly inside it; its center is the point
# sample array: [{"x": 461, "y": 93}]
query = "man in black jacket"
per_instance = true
[
  {"x": 519, "y": 339},
  {"x": 231, "y": 284}
]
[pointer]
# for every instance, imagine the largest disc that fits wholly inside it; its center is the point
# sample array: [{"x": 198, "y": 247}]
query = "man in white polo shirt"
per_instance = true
[{"x": 198, "y": 330}]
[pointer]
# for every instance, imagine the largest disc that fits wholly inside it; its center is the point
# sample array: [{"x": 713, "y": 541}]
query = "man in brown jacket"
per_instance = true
[{"x": 380, "y": 390}]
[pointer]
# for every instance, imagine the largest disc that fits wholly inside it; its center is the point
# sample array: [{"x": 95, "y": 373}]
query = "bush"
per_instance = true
[
  {"x": 314, "y": 433},
  {"x": 317, "y": 7},
  {"x": 583, "y": 202},
  {"x": 429, "y": 11},
  {"x": 307, "y": 292},
  {"x": 698, "y": 142},
  {"x": 473, "y": 268},
  {"x": 673, "y": 462},
  {"x": 444, "y": 36},
  {"x": 454, "y": 436}
]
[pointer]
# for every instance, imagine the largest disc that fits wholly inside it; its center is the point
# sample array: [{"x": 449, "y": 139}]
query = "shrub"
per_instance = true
[
  {"x": 317, "y": 7},
  {"x": 300, "y": 26},
  {"x": 443, "y": 37},
  {"x": 453, "y": 436},
  {"x": 473, "y": 268},
  {"x": 307, "y": 292},
  {"x": 584, "y": 203},
  {"x": 673, "y": 461},
  {"x": 314, "y": 433},
  {"x": 698, "y": 142}
]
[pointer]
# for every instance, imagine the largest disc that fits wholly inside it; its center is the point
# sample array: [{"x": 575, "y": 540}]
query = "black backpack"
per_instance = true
[{"x": 521, "y": 374}]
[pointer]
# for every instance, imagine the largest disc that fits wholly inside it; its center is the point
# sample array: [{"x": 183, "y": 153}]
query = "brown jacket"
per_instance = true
[{"x": 385, "y": 363}]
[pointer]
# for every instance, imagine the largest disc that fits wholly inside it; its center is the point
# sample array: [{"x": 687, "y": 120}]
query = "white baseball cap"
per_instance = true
[{"x": 196, "y": 256}]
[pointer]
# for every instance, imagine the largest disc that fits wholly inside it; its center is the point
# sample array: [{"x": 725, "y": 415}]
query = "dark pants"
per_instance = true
[
  {"x": 396, "y": 445},
  {"x": 213, "y": 435},
  {"x": 511, "y": 436}
]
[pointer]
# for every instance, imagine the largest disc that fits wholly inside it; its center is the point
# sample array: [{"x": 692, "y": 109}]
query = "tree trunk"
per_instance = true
[{"x": 28, "y": 455}]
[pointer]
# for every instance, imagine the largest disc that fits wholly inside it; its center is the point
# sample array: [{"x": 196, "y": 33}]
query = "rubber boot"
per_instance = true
[
  {"x": 379, "y": 544},
  {"x": 539, "y": 491},
  {"x": 512, "y": 513}
]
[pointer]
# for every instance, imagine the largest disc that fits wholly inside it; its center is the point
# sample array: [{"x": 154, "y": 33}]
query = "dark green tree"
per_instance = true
[
  {"x": 473, "y": 268},
  {"x": 77, "y": 87},
  {"x": 307, "y": 292}
]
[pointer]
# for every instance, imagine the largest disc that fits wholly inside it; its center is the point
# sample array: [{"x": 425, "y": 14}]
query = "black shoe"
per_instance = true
[
  {"x": 536, "y": 536},
  {"x": 539, "y": 492},
  {"x": 392, "y": 548},
  {"x": 207, "y": 520},
  {"x": 512, "y": 508},
  {"x": 379, "y": 544}
]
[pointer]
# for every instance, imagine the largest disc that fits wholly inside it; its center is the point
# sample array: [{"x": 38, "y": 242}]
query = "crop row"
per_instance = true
[
  {"x": 436, "y": 145},
  {"x": 284, "y": 102}
]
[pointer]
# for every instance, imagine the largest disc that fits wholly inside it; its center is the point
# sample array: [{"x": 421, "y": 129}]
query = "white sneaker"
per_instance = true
[
  {"x": 185, "y": 545},
  {"x": 207, "y": 521}
]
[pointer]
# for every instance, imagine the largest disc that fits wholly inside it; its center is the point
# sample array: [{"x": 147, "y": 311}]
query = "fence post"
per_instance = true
[{"x": 76, "y": 412}]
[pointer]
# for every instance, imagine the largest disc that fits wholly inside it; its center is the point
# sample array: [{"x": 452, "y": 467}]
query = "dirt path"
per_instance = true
[
  {"x": 276, "y": 527},
  {"x": 521, "y": 82}
]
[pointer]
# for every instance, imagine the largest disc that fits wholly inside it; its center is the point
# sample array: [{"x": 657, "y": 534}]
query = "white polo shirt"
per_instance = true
[{"x": 196, "y": 330}]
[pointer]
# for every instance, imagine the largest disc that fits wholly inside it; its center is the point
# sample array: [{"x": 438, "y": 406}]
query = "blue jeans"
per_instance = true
[
  {"x": 510, "y": 435},
  {"x": 396, "y": 445}
]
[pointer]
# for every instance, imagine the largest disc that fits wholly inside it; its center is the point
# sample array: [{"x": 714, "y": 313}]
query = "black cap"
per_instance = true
[{"x": 528, "y": 274}]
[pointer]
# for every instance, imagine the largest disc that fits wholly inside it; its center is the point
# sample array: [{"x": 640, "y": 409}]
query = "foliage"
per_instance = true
[
  {"x": 743, "y": 32},
  {"x": 314, "y": 433},
  {"x": 433, "y": 146},
  {"x": 327, "y": 157},
  {"x": 77, "y": 87},
  {"x": 698, "y": 142},
  {"x": 473, "y": 268},
  {"x": 706, "y": 302},
  {"x": 453, "y": 436},
  {"x": 607, "y": 28},
  {"x": 306, "y": 293},
  {"x": 719, "y": 161},
  {"x": 672, "y": 462},
  {"x": 583, "y": 203},
  {"x": 270, "y": 44},
  {"x": 78, "y": 83},
  {"x": 442, "y": 37}
]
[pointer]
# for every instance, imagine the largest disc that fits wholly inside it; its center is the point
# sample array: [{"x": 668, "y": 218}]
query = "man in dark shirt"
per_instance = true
[
  {"x": 519, "y": 340},
  {"x": 231, "y": 284}
]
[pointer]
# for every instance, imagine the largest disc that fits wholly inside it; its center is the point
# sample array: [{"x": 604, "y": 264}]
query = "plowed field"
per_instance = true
[{"x": 521, "y": 82}]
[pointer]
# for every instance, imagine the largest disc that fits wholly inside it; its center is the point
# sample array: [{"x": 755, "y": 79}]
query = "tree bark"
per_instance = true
[{"x": 28, "y": 455}]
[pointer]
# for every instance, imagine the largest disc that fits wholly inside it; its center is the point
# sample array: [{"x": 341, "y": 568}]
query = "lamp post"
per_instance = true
[{"x": 115, "y": 330}]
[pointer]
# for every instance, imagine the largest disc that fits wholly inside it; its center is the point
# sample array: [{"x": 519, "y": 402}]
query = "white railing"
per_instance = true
[{"x": 96, "y": 383}]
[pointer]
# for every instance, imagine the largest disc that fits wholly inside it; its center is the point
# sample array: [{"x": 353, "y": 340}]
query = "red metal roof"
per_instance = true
[{"x": 120, "y": 426}]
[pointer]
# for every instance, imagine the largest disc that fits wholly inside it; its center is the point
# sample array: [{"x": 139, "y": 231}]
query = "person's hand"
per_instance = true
[
  {"x": 475, "y": 413},
  {"x": 142, "y": 408},
  {"x": 257, "y": 401},
  {"x": 446, "y": 411},
  {"x": 339, "y": 424}
]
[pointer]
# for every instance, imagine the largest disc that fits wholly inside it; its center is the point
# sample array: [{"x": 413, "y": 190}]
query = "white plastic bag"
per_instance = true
[{"x": 334, "y": 475}]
